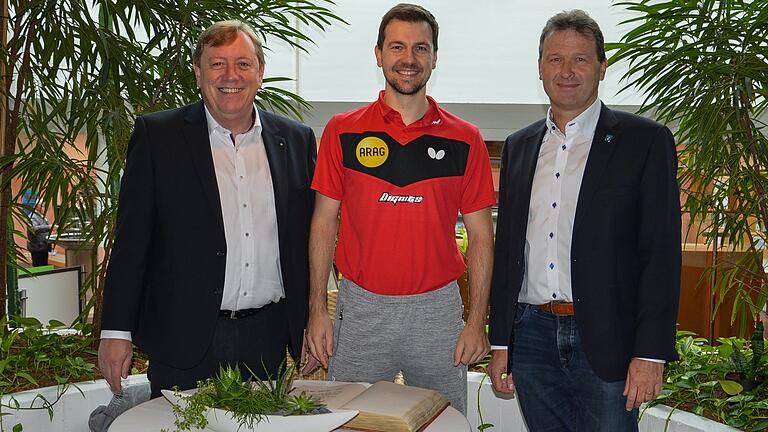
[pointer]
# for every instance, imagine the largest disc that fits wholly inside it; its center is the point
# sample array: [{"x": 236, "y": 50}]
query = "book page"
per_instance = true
[
  {"x": 386, "y": 406},
  {"x": 333, "y": 396}
]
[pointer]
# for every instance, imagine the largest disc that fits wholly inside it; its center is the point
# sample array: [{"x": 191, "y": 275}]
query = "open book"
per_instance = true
[{"x": 384, "y": 406}]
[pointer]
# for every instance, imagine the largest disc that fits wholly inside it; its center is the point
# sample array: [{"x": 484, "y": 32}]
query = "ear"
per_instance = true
[
  {"x": 539, "y": 68},
  {"x": 603, "y": 67},
  {"x": 434, "y": 60},
  {"x": 196, "y": 68},
  {"x": 377, "y": 53}
]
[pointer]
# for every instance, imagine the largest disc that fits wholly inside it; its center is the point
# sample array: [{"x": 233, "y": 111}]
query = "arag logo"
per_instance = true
[{"x": 372, "y": 152}]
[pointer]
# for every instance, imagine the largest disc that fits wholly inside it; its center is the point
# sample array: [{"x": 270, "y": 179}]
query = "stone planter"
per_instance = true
[
  {"x": 504, "y": 413},
  {"x": 655, "y": 419},
  {"x": 70, "y": 413}
]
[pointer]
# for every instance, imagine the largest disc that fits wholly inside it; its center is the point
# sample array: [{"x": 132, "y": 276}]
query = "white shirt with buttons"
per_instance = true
[{"x": 552, "y": 210}]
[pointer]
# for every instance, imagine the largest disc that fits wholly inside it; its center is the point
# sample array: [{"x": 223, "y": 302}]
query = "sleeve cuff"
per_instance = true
[
  {"x": 498, "y": 348},
  {"x": 639, "y": 358},
  {"x": 116, "y": 334}
]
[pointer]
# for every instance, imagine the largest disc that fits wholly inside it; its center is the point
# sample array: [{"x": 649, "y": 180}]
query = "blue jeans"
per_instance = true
[{"x": 556, "y": 386}]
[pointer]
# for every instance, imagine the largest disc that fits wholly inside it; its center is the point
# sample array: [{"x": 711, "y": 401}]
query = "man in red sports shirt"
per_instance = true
[{"x": 401, "y": 169}]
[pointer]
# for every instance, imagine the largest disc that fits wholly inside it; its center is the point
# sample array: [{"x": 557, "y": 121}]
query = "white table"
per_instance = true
[{"x": 156, "y": 414}]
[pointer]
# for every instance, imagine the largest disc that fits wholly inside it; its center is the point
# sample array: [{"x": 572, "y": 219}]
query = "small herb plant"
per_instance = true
[{"x": 248, "y": 401}]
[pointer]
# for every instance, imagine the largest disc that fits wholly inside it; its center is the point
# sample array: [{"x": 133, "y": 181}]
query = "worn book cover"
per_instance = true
[{"x": 384, "y": 406}]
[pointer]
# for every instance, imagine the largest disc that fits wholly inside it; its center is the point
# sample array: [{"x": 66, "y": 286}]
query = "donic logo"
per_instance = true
[
  {"x": 437, "y": 155},
  {"x": 394, "y": 199}
]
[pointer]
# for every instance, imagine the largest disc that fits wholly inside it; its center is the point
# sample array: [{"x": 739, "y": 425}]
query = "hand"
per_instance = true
[
  {"x": 472, "y": 346},
  {"x": 497, "y": 371},
  {"x": 115, "y": 361},
  {"x": 643, "y": 382},
  {"x": 310, "y": 363},
  {"x": 320, "y": 337}
]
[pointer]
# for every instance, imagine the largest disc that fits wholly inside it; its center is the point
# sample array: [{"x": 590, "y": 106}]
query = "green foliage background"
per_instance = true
[{"x": 703, "y": 67}]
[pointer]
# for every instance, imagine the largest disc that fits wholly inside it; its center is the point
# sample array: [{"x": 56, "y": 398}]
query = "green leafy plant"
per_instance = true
[
  {"x": 249, "y": 401},
  {"x": 748, "y": 365},
  {"x": 702, "y": 66},
  {"x": 33, "y": 355},
  {"x": 482, "y": 366},
  {"x": 699, "y": 383}
]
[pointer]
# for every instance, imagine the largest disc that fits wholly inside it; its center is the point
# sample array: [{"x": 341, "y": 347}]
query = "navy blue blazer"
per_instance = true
[
  {"x": 625, "y": 249},
  {"x": 165, "y": 276}
]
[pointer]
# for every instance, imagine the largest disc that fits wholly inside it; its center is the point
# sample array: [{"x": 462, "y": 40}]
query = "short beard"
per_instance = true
[{"x": 405, "y": 91}]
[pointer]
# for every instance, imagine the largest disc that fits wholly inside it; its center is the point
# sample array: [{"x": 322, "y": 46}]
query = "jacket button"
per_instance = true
[{"x": 220, "y": 253}]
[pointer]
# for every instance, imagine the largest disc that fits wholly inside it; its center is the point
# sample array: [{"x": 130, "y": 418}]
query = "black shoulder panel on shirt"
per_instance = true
[{"x": 426, "y": 157}]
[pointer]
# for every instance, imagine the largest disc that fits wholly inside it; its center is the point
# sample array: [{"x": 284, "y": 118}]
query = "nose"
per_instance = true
[
  {"x": 409, "y": 56},
  {"x": 566, "y": 69},
  {"x": 231, "y": 71}
]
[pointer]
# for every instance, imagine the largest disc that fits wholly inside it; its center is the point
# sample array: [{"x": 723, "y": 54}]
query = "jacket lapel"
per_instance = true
[
  {"x": 531, "y": 149},
  {"x": 276, "y": 148},
  {"x": 603, "y": 145},
  {"x": 196, "y": 134}
]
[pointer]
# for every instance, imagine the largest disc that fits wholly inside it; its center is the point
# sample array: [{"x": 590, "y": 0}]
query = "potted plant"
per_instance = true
[
  {"x": 702, "y": 67},
  {"x": 700, "y": 382},
  {"x": 247, "y": 401}
]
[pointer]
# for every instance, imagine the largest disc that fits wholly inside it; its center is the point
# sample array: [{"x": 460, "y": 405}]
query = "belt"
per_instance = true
[
  {"x": 243, "y": 313},
  {"x": 557, "y": 308}
]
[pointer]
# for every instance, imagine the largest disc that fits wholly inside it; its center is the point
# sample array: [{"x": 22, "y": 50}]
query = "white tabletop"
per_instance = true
[{"x": 156, "y": 414}]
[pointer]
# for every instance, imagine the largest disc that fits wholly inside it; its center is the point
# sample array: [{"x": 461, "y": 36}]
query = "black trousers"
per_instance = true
[
  {"x": 257, "y": 343},
  {"x": 39, "y": 258}
]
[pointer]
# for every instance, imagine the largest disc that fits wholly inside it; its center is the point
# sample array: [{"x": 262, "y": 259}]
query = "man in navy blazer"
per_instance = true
[
  {"x": 210, "y": 260},
  {"x": 587, "y": 264}
]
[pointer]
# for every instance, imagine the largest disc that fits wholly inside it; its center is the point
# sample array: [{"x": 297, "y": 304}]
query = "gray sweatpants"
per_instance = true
[{"x": 376, "y": 336}]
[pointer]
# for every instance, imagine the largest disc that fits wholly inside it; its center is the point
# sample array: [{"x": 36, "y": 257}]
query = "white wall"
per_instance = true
[{"x": 487, "y": 52}]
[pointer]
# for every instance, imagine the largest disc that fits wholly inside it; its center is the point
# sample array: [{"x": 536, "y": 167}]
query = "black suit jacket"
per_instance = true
[
  {"x": 625, "y": 249},
  {"x": 166, "y": 271}
]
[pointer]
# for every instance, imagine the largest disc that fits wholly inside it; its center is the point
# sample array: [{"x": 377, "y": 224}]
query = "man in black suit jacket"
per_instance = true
[
  {"x": 587, "y": 263},
  {"x": 210, "y": 260}
]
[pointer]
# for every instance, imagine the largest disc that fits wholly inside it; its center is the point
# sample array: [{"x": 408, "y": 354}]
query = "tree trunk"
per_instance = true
[{"x": 5, "y": 193}]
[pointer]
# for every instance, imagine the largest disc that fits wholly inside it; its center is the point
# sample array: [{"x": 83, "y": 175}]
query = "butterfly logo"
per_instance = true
[{"x": 437, "y": 155}]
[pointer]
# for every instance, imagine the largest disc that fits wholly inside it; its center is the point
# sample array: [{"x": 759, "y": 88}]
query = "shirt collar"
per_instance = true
[
  {"x": 431, "y": 117},
  {"x": 214, "y": 126},
  {"x": 585, "y": 123}
]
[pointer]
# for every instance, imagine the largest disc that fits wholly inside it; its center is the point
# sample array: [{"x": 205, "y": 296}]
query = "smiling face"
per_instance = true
[
  {"x": 570, "y": 72},
  {"x": 407, "y": 57},
  {"x": 229, "y": 76}
]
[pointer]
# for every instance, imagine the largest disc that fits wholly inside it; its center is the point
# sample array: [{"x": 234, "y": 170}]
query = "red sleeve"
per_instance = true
[
  {"x": 477, "y": 184},
  {"x": 329, "y": 171}
]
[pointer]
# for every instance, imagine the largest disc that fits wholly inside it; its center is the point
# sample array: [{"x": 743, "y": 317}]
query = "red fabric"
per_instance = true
[{"x": 409, "y": 246}]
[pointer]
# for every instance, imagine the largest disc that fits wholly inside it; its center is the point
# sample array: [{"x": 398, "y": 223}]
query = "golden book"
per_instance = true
[{"x": 383, "y": 407}]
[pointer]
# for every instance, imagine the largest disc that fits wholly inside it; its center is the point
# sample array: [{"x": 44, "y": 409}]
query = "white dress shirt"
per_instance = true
[
  {"x": 252, "y": 277},
  {"x": 554, "y": 194}
]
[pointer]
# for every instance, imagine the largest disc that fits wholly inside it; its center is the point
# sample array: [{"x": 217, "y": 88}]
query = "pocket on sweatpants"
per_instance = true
[{"x": 338, "y": 320}]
